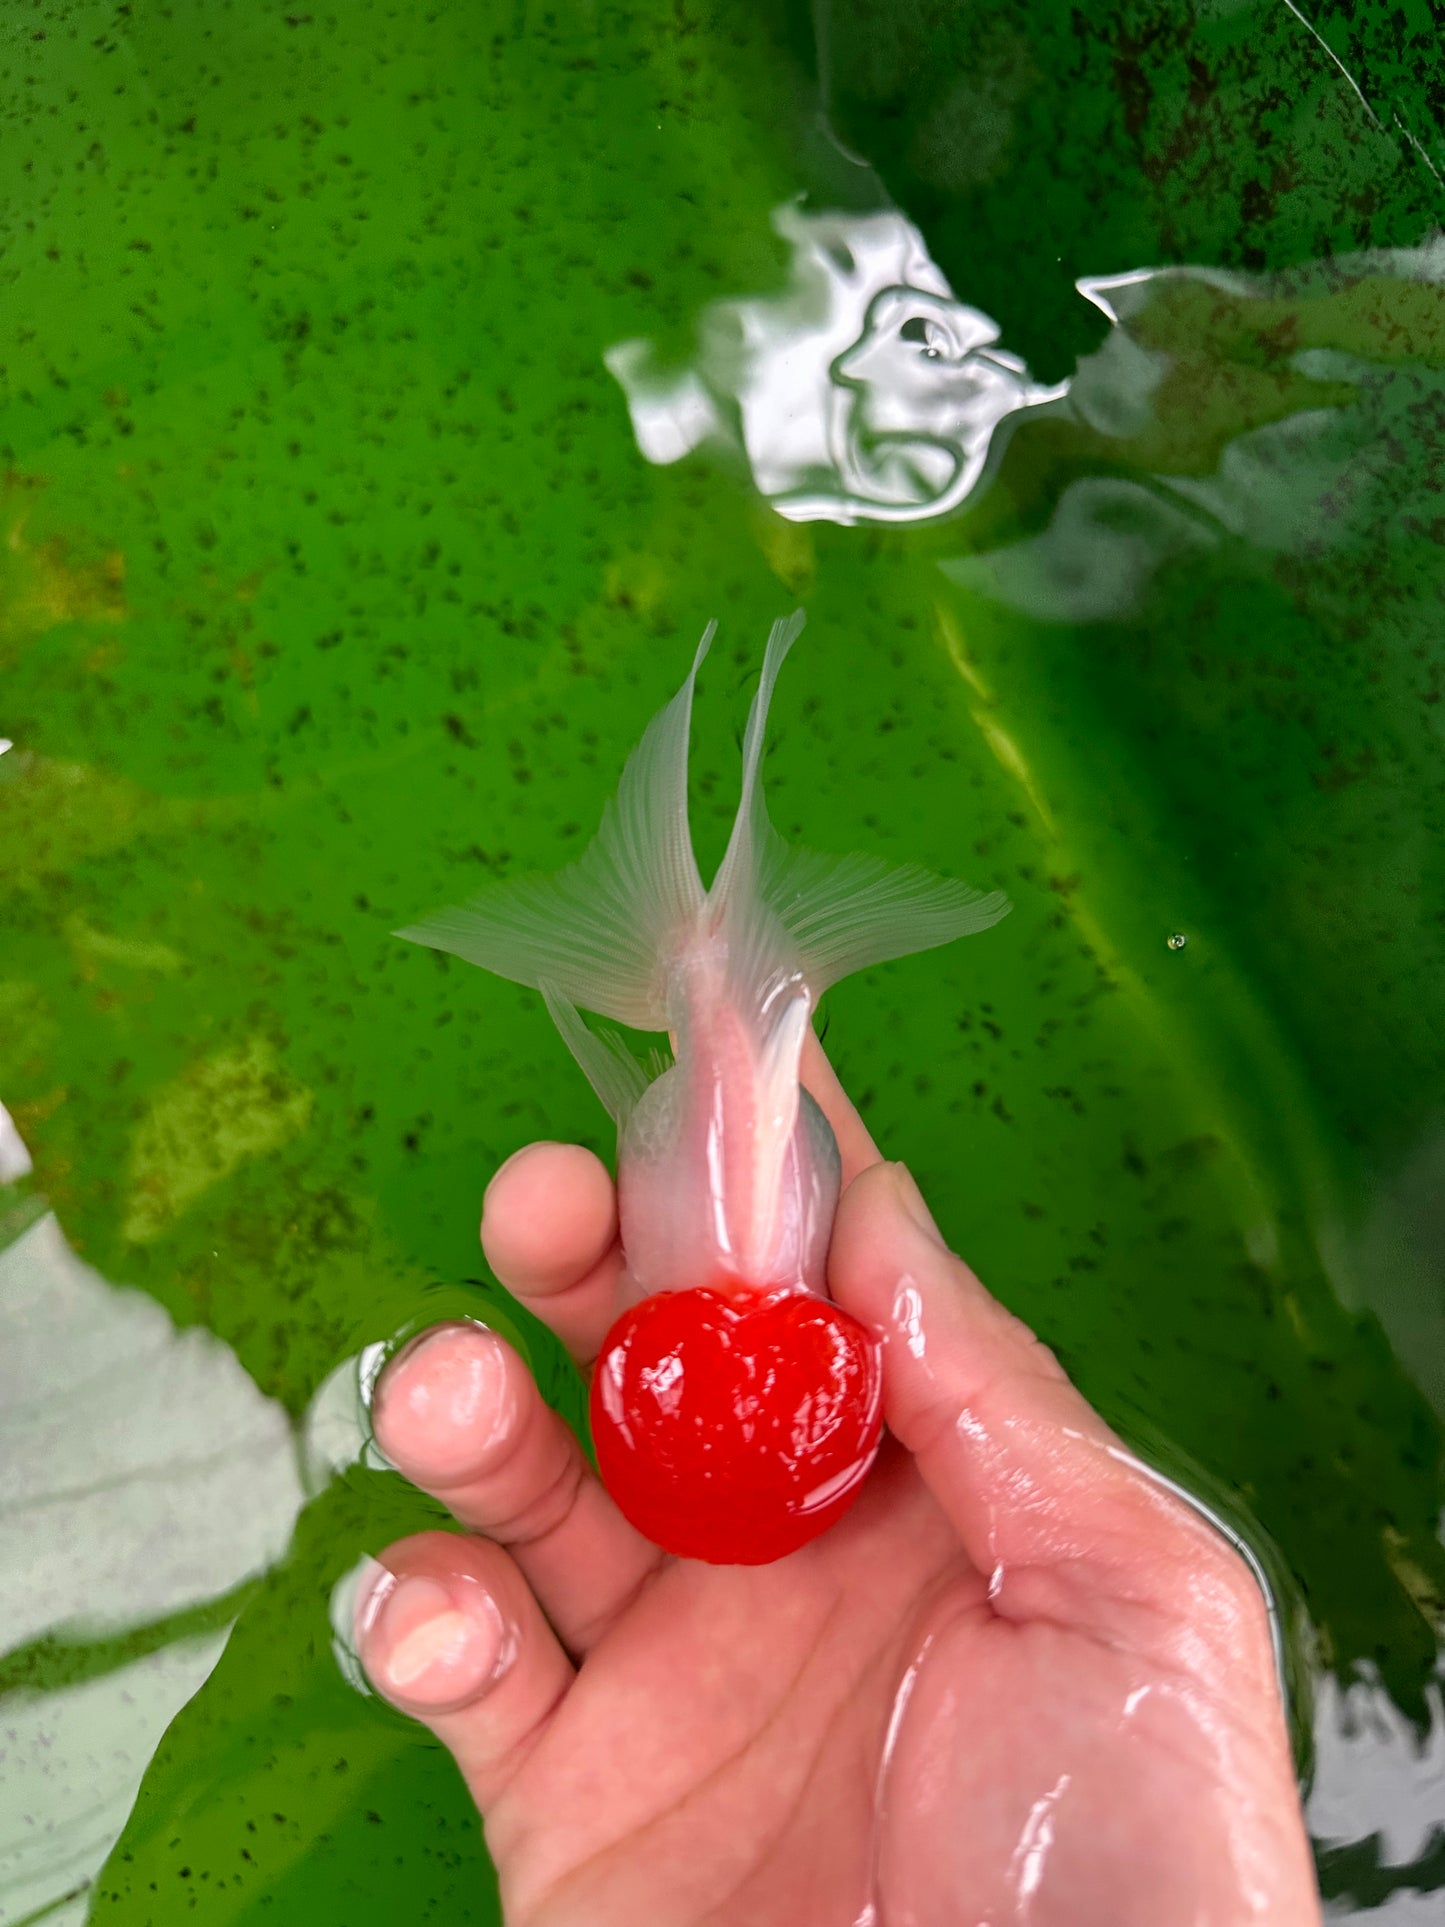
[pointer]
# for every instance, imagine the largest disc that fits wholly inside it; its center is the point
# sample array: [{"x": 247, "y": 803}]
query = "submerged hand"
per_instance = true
[{"x": 1019, "y": 1685}]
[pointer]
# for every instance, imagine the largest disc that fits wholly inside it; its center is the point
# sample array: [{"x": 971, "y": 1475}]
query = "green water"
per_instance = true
[{"x": 333, "y": 580}]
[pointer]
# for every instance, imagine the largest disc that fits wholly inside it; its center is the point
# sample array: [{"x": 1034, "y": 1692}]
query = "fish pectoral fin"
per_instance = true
[{"x": 603, "y": 1056}]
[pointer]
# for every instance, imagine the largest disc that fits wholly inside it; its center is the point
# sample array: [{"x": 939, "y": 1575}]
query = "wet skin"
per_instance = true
[{"x": 1019, "y": 1684}]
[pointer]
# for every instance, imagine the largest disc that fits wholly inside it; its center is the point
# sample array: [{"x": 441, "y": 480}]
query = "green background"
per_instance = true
[{"x": 332, "y": 582}]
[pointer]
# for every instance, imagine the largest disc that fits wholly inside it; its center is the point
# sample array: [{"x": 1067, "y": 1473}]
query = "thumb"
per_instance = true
[{"x": 1050, "y": 1506}]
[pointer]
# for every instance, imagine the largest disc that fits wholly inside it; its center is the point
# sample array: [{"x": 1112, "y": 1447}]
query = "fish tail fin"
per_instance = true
[
  {"x": 827, "y": 916},
  {"x": 759, "y": 947},
  {"x": 847, "y": 913},
  {"x": 599, "y": 933}
]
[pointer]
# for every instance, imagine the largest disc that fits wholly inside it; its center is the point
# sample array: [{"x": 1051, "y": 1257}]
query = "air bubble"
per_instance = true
[{"x": 1178, "y": 940}]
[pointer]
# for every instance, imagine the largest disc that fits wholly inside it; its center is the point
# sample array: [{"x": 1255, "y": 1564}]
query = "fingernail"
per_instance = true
[
  {"x": 419, "y": 1342},
  {"x": 404, "y": 1355},
  {"x": 910, "y": 1199},
  {"x": 441, "y": 1400},
  {"x": 433, "y": 1643}
]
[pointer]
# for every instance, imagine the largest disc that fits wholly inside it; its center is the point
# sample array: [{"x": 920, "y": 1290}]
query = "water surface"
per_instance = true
[{"x": 389, "y": 399}]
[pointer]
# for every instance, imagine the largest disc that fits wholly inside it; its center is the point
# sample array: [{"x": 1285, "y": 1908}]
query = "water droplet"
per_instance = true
[{"x": 1178, "y": 940}]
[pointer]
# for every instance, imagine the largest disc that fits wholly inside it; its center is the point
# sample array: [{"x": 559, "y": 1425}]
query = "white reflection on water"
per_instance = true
[
  {"x": 1404, "y": 1908},
  {"x": 864, "y": 392},
  {"x": 1376, "y": 1775},
  {"x": 336, "y": 1429},
  {"x": 141, "y": 1472},
  {"x": 14, "y": 1158},
  {"x": 1352, "y": 462}
]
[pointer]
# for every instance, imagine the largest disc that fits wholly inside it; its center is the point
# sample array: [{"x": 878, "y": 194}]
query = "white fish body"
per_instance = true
[{"x": 728, "y": 1173}]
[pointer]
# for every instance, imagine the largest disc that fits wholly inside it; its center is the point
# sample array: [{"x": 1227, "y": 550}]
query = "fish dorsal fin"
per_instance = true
[
  {"x": 795, "y": 922},
  {"x": 778, "y": 1096},
  {"x": 789, "y": 909},
  {"x": 601, "y": 932}
]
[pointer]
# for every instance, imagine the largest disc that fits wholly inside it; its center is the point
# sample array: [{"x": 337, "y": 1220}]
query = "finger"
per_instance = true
[
  {"x": 821, "y": 1082},
  {"x": 1049, "y": 1504},
  {"x": 549, "y": 1232},
  {"x": 458, "y": 1413},
  {"x": 449, "y": 1632}
]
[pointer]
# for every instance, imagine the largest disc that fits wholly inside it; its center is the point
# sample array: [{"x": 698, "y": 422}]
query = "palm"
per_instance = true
[
  {"x": 755, "y": 1704},
  {"x": 814, "y": 1768},
  {"x": 1020, "y": 1684}
]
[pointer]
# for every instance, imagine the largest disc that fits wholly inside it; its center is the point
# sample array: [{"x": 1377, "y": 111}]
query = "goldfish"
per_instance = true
[{"x": 735, "y": 1408}]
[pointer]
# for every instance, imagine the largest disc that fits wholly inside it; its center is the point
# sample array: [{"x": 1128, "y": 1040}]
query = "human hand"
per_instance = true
[{"x": 1020, "y": 1684}]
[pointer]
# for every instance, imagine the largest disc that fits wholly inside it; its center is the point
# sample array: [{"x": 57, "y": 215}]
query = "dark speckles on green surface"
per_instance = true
[
  {"x": 1161, "y": 132},
  {"x": 331, "y": 580}
]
